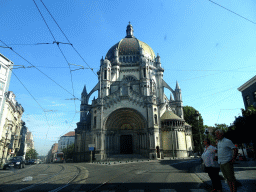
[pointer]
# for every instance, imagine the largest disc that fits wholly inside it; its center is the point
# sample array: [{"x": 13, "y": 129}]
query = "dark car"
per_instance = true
[
  {"x": 17, "y": 162},
  {"x": 32, "y": 162}
]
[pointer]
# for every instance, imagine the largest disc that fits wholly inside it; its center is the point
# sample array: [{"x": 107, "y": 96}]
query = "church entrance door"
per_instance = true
[{"x": 126, "y": 144}]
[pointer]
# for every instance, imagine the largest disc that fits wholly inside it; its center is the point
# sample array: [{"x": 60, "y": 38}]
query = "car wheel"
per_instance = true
[
  {"x": 4, "y": 168},
  {"x": 20, "y": 166}
]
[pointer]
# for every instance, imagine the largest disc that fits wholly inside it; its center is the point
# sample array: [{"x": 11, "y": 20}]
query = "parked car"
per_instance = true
[
  {"x": 32, "y": 162},
  {"x": 16, "y": 162}
]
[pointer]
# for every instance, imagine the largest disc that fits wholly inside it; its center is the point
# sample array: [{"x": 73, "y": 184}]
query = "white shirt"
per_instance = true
[
  {"x": 208, "y": 157},
  {"x": 225, "y": 152}
]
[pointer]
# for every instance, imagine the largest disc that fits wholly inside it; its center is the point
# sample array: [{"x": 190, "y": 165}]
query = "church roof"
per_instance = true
[
  {"x": 169, "y": 115},
  {"x": 71, "y": 133},
  {"x": 130, "y": 46},
  {"x": 186, "y": 124}
]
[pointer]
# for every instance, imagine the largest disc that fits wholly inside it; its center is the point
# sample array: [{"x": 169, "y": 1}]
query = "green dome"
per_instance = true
[
  {"x": 169, "y": 115},
  {"x": 131, "y": 46}
]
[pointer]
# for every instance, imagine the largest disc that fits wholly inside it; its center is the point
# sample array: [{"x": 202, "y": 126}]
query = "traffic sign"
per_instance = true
[{"x": 91, "y": 148}]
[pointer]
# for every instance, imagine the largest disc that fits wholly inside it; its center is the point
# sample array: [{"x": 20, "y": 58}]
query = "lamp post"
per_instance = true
[
  {"x": 197, "y": 118},
  {"x": 207, "y": 132}
]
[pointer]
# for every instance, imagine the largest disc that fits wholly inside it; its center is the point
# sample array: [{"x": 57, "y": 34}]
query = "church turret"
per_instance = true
[
  {"x": 105, "y": 72},
  {"x": 178, "y": 92},
  {"x": 158, "y": 61},
  {"x": 84, "y": 96},
  {"x": 116, "y": 57},
  {"x": 178, "y": 101},
  {"x": 129, "y": 31}
]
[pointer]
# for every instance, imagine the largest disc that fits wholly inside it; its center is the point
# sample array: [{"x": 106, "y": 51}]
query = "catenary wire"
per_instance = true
[
  {"x": 35, "y": 101},
  {"x": 68, "y": 39},
  {"x": 232, "y": 11},
  {"x": 37, "y": 68},
  {"x": 63, "y": 56},
  {"x": 225, "y": 109}
]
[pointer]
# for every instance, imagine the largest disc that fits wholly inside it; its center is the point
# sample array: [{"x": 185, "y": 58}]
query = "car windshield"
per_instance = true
[{"x": 14, "y": 158}]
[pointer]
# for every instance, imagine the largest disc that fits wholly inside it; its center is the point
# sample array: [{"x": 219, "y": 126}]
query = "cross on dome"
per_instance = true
[{"x": 129, "y": 31}]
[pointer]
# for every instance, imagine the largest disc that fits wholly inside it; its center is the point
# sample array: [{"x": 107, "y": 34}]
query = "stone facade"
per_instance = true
[
  {"x": 127, "y": 116},
  {"x": 12, "y": 124},
  {"x": 5, "y": 76},
  {"x": 66, "y": 140},
  {"x": 29, "y": 141},
  {"x": 248, "y": 90},
  {"x": 23, "y": 135}
]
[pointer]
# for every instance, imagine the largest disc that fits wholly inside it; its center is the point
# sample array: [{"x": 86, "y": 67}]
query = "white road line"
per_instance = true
[{"x": 136, "y": 190}]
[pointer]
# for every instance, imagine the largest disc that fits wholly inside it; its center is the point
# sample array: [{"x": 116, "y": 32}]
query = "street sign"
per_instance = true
[
  {"x": 91, "y": 148},
  {"x": 91, "y": 145}
]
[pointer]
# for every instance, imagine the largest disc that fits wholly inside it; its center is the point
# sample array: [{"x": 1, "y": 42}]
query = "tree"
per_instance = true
[
  {"x": 31, "y": 154},
  {"x": 243, "y": 131},
  {"x": 69, "y": 151},
  {"x": 190, "y": 118}
]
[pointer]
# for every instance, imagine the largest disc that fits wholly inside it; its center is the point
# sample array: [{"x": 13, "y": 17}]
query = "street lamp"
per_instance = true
[
  {"x": 207, "y": 132},
  {"x": 197, "y": 114}
]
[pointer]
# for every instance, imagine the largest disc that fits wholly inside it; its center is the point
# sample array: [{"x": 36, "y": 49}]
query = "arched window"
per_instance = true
[
  {"x": 94, "y": 122},
  {"x": 133, "y": 59},
  {"x": 155, "y": 117}
]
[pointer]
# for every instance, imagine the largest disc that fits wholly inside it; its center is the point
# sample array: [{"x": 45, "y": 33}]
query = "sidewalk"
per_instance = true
[{"x": 245, "y": 173}]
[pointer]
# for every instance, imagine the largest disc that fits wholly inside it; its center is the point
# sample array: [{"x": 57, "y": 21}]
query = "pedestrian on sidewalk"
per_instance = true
[
  {"x": 211, "y": 167},
  {"x": 226, "y": 158}
]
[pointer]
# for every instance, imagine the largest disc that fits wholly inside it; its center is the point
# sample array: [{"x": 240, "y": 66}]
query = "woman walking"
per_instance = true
[{"x": 212, "y": 167}]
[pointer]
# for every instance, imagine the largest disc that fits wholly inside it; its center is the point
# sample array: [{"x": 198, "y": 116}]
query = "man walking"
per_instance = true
[{"x": 226, "y": 158}]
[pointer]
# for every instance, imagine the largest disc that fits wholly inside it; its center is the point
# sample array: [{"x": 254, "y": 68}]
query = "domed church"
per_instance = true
[{"x": 132, "y": 115}]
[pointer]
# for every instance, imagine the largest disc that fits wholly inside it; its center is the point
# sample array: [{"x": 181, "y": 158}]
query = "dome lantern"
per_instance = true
[{"x": 129, "y": 31}]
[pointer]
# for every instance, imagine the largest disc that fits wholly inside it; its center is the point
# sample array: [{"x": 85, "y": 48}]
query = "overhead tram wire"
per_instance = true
[
  {"x": 62, "y": 55},
  {"x": 225, "y": 109},
  {"x": 37, "y": 68},
  {"x": 35, "y": 101},
  {"x": 68, "y": 39},
  {"x": 232, "y": 11}
]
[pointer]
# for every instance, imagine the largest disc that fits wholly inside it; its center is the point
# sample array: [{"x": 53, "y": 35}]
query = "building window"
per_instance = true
[
  {"x": 94, "y": 122},
  {"x": 247, "y": 100},
  {"x": 144, "y": 71},
  {"x": 155, "y": 117},
  {"x": 1, "y": 85},
  {"x": 105, "y": 74},
  {"x": 254, "y": 95}
]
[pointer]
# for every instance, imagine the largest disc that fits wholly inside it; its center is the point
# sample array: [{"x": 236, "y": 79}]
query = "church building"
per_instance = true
[{"x": 132, "y": 115}]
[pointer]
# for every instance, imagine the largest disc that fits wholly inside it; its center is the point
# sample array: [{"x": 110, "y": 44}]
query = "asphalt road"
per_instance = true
[{"x": 148, "y": 176}]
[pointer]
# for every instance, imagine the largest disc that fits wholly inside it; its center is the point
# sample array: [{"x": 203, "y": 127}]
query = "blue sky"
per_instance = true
[{"x": 207, "y": 49}]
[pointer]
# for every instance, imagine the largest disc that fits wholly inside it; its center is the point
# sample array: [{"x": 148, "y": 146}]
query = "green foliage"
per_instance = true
[
  {"x": 190, "y": 118},
  {"x": 31, "y": 154},
  {"x": 69, "y": 151},
  {"x": 242, "y": 131}
]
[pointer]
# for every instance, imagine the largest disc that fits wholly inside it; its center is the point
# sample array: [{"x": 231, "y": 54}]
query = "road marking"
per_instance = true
[
  {"x": 107, "y": 191},
  {"x": 29, "y": 178},
  {"x": 136, "y": 190}
]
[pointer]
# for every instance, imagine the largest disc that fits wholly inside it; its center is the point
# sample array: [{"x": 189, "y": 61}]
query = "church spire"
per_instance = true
[
  {"x": 84, "y": 93},
  {"x": 177, "y": 85},
  {"x": 129, "y": 31}
]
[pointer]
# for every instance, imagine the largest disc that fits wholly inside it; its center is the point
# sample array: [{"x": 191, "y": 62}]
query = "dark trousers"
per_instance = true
[{"x": 213, "y": 173}]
